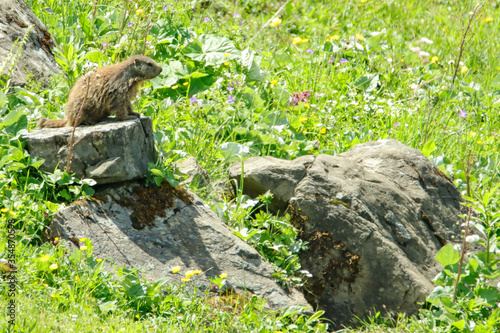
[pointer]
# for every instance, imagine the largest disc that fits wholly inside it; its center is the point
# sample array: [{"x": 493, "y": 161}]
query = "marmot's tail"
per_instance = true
[{"x": 51, "y": 123}]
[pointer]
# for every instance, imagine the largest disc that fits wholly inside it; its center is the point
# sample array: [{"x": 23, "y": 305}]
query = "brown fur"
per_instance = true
[{"x": 111, "y": 90}]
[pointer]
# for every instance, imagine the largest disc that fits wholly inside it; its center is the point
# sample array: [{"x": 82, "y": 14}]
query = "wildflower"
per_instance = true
[
  {"x": 276, "y": 21},
  {"x": 176, "y": 269},
  {"x": 165, "y": 8},
  {"x": 193, "y": 99},
  {"x": 77, "y": 278},
  {"x": 130, "y": 24},
  {"x": 304, "y": 132},
  {"x": 56, "y": 239},
  {"x": 230, "y": 88},
  {"x": 464, "y": 70},
  {"x": 359, "y": 37},
  {"x": 49, "y": 10},
  {"x": 488, "y": 19},
  {"x": 137, "y": 316},
  {"x": 139, "y": 12},
  {"x": 307, "y": 105},
  {"x": 185, "y": 279},
  {"x": 45, "y": 285},
  {"x": 12, "y": 213},
  {"x": 396, "y": 124},
  {"x": 362, "y": 1},
  {"x": 471, "y": 133},
  {"x": 175, "y": 86},
  {"x": 309, "y": 51},
  {"x": 230, "y": 99},
  {"x": 424, "y": 40},
  {"x": 83, "y": 248},
  {"x": 273, "y": 82},
  {"x": 104, "y": 44},
  {"x": 45, "y": 258},
  {"x": 236, "y": 15},
  {"x": 389, "y": 131},
  {"x": 423, "y": 54},
  {"x": 223, "y": 275},
  {"x": 298, "y": 40},
  {"x": 226, "y": 55},
  {"x": 53, "y": 295},
  {"x": 53, "y": 266},
  {"x": 332, "y": 38},
  {"x": 472, "y": 239},
  {"x": 198, "y": 271},
  {"x": 226, "y": 64},
  {"x": 189, "y": 274},
  {"x": 355, "y": 117},
  {"x": 323, "y": 130},
  {"x": 302, "y": 119},
  {"x": 434, "y": 60},
  {"x": 462, "y": 113},
  {"x": 82, "y": 239},
  {"x": 206, "y": 19},
  {"x": 4, "y": 210},
  {"x": 98, "y": 260}
]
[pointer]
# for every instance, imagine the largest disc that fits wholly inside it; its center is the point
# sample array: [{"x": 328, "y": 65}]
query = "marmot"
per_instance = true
[{"x": 111, "y": 89}]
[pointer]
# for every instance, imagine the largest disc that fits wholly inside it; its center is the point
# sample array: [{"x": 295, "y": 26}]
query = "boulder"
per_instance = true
[
  {"x": 196, "y": 174},
  {"x": 374, "y": 218},
  {"x": 108, "y": 152},
  {"x": 37, "y": 58},
  {"x": 157, "y": 228}
]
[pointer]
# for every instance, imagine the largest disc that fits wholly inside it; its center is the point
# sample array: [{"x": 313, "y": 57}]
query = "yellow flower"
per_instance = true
[
  {"x": 479, "y": 141},
  {"x": 98, "y": 260},
  {"x": 12, "y": 213},
  {"x": 226, "y": 63},
  {"x": 332, "y": 38},
  {"x": 363, "y": 1},
  {"x": 176, "y": 269},
  {"x": 298, "y": 40},
  {"x": 45, "y": 285},
  {"x": 77, "y": 278},
  {"x": 56, "y": 239},
  {"x": 472, "y": 133},
  {"x": 434, "y": 60},
  {"x": 273, "y": 82},
  {"x": 44, "y": 258},
  {"x": 488, "y": 19},
  {"x": 83, "y": 239},
  {"x": 276, "y": 21},
  {"x": 83, "y": 248},
  {"x": 226, "y": 55},
  {"x": 175, "y": 86},
  {"x": 223, "y": 275},
  {"x": 185, "y": 279},
  {"x": 137, "y": 316},
  {"x": 302, "y": 119},
  {"x": 464, "y": 70},
  {"x": 323, "y": 130},
  {"x": 53, "y": 266},
  {"x": 189, "y": 274},
  {"x": 185, "y": 83},
  {"x": 4, "y": 210},
  {"x": 53, "y": 295},
  {"x": 139, "y": 12},
  {"x": 198, "y": 271},
  {"x": 359, "y": 37},
  {"x": 304, "y": 132},
  {"x": 307, "y": 105}
]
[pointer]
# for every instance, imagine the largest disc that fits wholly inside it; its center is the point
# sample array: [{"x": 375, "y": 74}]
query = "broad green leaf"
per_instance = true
[
  {"x": 233, "y": 151},
  {"x": 428, "y": 148},
  {"x": 212, "y": 50},
  {"x": 459, "y": 324},
  {"x": 367, "y": 82},
  {"x": 448, "y": 255}
]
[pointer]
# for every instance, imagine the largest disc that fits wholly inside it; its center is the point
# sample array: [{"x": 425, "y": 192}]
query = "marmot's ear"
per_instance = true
[{"x": 135, "y": 62}]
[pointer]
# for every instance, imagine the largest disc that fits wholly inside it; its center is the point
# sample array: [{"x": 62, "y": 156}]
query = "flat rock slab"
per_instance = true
[
  {"x": 108, "y": 152},
  {"x": 159, "y": 228},
  {"x": 374, "y": 218}
]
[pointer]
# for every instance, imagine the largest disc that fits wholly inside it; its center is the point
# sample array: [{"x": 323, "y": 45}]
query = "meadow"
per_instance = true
[{"x": 260, "y": 78}]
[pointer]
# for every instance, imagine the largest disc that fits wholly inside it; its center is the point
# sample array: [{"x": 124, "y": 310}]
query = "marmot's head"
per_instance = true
[{"x": 144, "y": 67}]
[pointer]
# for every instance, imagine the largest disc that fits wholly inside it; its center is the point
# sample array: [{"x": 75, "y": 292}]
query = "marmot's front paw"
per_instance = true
[{"x": 136, "y": 114}]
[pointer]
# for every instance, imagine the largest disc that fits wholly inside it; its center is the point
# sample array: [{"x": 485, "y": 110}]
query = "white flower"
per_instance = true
[
  {"x": 424, "y": 54},
  {"x": 414, "y": 86},
  {"x": 424, "y": 40},
  {"x": 415, "y": 49},
  {"x": 472, "y": 239}
]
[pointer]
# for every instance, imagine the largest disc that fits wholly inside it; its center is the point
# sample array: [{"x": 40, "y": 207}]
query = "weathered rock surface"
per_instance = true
[
  {"x": 36, "y": 58},
  {"x": 374, "y": 218},
  {"x": 196, "y": 174},
  {"x": 159, "y": 228},
  {"x": 108, "y": 152}
]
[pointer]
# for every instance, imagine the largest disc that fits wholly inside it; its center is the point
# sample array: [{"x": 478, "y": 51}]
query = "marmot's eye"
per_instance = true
[{"x": 150, "y": 65}]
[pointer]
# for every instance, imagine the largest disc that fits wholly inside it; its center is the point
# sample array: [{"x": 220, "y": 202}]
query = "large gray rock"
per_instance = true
[
  {"x": 36, "y": 57},
  {"x": 159, "y": 228},
  {"x": 374, "y": 218},
  {"x": 109, "y": 152}
]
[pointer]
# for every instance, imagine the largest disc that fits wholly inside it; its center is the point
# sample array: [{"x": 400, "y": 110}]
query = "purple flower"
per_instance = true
[
  {"x": 104, "y": 44},
  {"x": 130, "y": 24},
  {"x": 355, "y": 117},
  {"x": 389, "y": 131},
  {"x": 230, "y": 100},
  {"x": 462, "y": 113},
  {"x": 396, "y": 124},
  {"x": 193, "y": 99},
  {"x": 309, "y": 51},
  {"x": 165, "y": 8},
  {"x": 343, "y": 61},
  {"x": 230, "y": 88},
  {"x": 194, "y": 8},
  {"x": 237, "y": 15},
  {"x": 49, "y": 10},
  {"x": 206, "y": 19}
]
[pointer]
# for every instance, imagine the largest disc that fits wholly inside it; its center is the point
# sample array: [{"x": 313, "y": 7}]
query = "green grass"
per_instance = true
[{"x": 353, "y": 76}]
